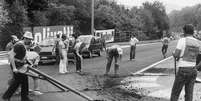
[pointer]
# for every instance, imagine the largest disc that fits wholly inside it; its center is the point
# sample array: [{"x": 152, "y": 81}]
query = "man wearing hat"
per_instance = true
[
  {"x": 27, "y": 39},
  {"x": 33, "y": 57},
  {"x": 186, "y": 51}
]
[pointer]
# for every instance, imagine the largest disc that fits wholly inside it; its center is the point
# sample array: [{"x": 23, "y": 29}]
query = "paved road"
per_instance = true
[{"x": 146, "y": 54}]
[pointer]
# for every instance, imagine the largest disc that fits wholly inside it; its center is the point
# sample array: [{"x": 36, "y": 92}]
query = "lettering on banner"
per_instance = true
[{"x": 41, "y": 33}]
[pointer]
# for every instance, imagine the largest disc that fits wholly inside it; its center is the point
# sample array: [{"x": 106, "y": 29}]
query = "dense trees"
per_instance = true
[
  {"x": 148, "y": 21},
  {"x": 188, "y": 15}
]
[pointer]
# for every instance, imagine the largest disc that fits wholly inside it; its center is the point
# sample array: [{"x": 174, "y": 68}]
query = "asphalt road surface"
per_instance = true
[{"x": 146, "y": 54}]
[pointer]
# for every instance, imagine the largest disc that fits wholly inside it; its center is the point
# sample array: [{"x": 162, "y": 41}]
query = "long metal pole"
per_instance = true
[
  {"x": 92, "y": 17},
  {"x": 61, "y": 84}
]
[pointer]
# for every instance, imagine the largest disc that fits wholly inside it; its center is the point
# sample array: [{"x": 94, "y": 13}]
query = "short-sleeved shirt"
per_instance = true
[
  {"x": 77, "y": 46},
  {"x": 33, "y": 57},
  {"x": 134, "y": 41},
  {"x": 190, "y": 47},
  {"x": 115, "y": 47}
]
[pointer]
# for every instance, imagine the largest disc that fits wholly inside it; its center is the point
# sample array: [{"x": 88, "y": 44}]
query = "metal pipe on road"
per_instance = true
[{"x": 61, "y": 84}]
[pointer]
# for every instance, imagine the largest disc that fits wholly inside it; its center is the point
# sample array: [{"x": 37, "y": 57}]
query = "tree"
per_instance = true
[
  {"x": 16, "y": 14},
  {"x": 155, "y": 18}
]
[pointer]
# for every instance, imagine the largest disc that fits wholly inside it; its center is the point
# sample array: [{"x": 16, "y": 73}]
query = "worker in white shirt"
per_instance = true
[
  {"x": 115, "y": 52},
  {"x": 133, "y": 42}
]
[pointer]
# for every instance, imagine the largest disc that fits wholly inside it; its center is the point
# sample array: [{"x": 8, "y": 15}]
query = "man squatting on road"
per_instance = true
[
  {"x": 115, "y": 52},
  {"x": 186, "y": 52}
]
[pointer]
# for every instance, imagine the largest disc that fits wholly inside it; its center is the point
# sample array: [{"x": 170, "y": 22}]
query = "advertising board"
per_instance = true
[{"x": 43, "y": 32}]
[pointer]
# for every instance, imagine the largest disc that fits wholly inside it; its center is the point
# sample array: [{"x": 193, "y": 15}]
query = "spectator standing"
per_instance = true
[
  {"x": 186, "y": 52},
  {"x": 56, "y": 48},
  {"x": 63, "y": 50},
  {"x": 115, "y": 52},
  {"x": 133, "y": 42},
  {"x": 165, "y": 41}
]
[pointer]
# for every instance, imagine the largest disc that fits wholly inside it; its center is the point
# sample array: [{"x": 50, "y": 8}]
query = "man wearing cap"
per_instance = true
[
  {"x": 115, "y": 52},
  {"x": 14, "y": 39},
  {"x": 185, "y": 53}
]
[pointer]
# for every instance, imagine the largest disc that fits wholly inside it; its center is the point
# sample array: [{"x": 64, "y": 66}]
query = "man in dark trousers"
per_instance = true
[
  {"x": 78, "y": 57},
  {"x": 133, "y": 42},
  {"x": 165, "y": 41},
  {"x": 186, "y": 51},
  {"x": 56, "y": 48},
  {"x": 115, "y": 52},
  {"x": 18, "y": 61}
]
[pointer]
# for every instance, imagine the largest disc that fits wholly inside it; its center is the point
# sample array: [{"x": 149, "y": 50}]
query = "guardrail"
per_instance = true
[{"x": 3, "y": 54}]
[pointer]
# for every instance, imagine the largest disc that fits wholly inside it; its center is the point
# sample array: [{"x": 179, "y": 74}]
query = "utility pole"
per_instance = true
[{"x": 92, "y": 17}]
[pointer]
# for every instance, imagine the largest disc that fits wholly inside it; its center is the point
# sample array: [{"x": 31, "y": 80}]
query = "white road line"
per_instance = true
[{"x": 150, "y": 66}]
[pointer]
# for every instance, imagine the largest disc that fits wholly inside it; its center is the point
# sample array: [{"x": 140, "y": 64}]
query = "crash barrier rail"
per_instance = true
[
  {"x": 3, "y": 54},
  {"x": 58, "y": 84}
]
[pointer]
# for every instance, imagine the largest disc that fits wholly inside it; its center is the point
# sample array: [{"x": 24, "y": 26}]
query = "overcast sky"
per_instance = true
[{"x": 169, "y": 4}]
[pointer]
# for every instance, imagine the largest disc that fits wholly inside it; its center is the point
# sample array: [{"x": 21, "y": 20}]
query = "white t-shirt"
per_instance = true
[
  {"x": 133, "y": 41},
  {"x": 119, "y": 49},
  {"x": 33, "y": 57},
  {"x": 165, "y": 40},
  {"x": 181, "y": 45}
]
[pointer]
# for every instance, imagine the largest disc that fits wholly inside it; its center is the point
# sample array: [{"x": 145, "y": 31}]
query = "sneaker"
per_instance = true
[
  {"x": 36, "y": 92},
  {"x": 78, "y": 71}
]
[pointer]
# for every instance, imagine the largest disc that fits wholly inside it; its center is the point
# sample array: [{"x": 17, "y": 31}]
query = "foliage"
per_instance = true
[
  {"x": 188, "y": 15},
  {"x": 147, "y": 21}
]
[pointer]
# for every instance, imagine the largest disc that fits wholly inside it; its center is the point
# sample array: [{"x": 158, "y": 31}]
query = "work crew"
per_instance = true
[
  {"x": 115, "y": 52},
  {"x": 185, "y": 53},
  {"x": 133, "y": 42},
  {"x": 18, "y": 60},
  {"x": 165, "y": 41},
  {"x": 63, "y": 50}
]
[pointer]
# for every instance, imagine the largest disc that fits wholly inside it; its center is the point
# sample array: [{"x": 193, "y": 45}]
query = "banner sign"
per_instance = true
[
  {"x": 108, "y": 35},
  {"x": 42, "y": 32}
]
